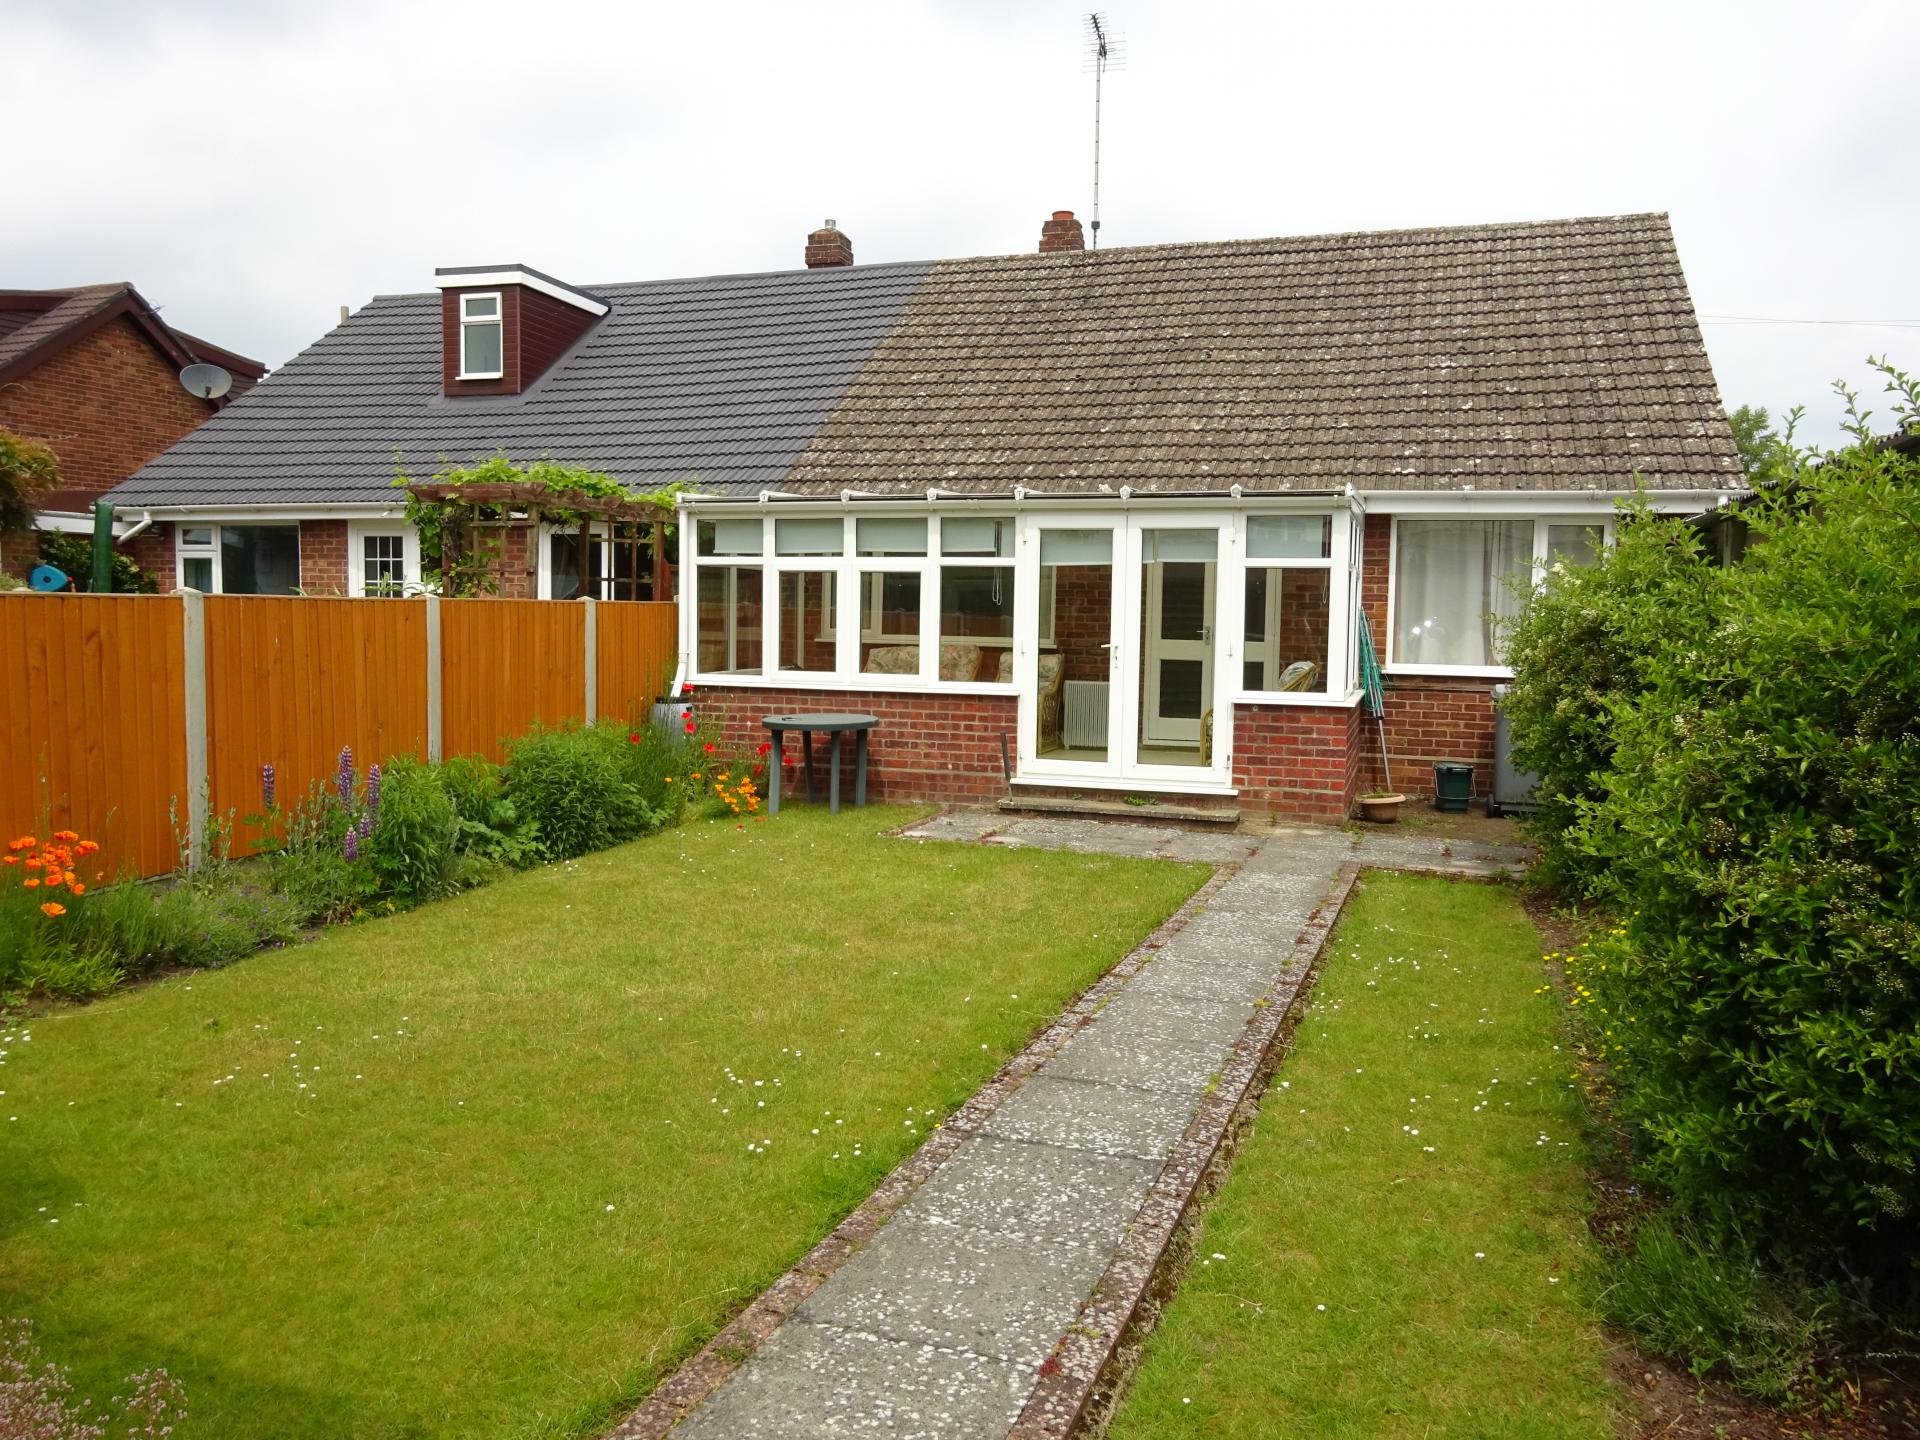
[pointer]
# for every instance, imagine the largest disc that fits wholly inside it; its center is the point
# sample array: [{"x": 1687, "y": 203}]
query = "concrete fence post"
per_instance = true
[
  {"x": 434, "y": 741},
  {"x": 592, "y": 659},
  {"x": 193, "y": 616}
]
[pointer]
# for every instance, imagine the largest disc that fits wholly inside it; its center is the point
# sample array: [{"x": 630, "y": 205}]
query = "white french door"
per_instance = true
[{"x": 1123, "y": 675}]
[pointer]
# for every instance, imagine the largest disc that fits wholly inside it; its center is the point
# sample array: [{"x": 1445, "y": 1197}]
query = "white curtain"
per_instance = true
[{"x": 1450, "y": 587}]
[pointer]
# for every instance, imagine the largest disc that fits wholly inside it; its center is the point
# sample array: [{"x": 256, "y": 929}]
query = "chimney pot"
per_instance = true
[
  {"x": 827, "y": 247},
  {"x": 1060, "y": 233}
]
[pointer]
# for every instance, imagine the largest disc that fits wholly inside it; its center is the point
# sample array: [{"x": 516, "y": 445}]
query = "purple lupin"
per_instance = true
[
  {"x": 343, "y": 780},
  {"x": 266, "y": 788}
]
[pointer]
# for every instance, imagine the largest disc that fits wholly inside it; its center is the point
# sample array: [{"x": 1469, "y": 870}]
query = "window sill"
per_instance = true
[
  {"x": 488, "y": 375},
  {"x": 1456, "y": 672},
  {"x": 1297, "y": 697},
  {"x": 894, "y": 684}
]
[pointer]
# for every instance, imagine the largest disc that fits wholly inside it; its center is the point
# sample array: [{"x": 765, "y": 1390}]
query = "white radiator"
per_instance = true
[{"x": 1085, "y": 721}]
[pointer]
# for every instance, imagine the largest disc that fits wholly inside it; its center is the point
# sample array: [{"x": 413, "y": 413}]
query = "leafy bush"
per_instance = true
[
  {"x": 1584, "y": 647},
  {"x": 1716, "y": 1311},
  {"x": 74, "y": 554},
  {"x": 322, "y": 886},
  {"x": 1757, "y": 827},
  {"x": 414, "y": 832},
  {"x": 573, "y": 784},
  {"x": 491, "y": 826}
]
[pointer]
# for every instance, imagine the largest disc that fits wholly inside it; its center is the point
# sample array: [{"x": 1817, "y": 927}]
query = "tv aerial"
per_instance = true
[
  {"x": 208, "y": 382},
  {"x": 1104, "y": 53}
]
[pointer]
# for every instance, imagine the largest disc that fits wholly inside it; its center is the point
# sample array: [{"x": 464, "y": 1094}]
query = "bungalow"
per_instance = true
[{"x": 1070, "y": 521}]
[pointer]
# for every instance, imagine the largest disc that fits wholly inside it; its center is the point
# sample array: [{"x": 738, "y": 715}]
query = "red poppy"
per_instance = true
[
  {"x": 689, "y": 727},
  {"x": 633, "y": 737},
  {"x": 765, "y": 746},
  {"x": 709, "y": 747},
  {"x": 686, "y": 687}
]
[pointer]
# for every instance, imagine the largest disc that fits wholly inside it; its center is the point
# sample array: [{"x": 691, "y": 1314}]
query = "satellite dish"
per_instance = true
[
  {"x": 46, "y": 578},
  {"x": 209, "y": 382}
]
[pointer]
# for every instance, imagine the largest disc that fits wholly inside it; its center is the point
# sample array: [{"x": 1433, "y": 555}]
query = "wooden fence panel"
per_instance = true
[
  {"x": 637, "y": 647},
  {"x": 93, "y": 722},
  {"x": 507, "y": 665},
  {"x": 292, "y": 679}
]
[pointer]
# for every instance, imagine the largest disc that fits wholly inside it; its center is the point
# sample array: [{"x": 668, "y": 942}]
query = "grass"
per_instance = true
[
  {"x": 492, "y": 1167},
  {"x": 1400, "y": 1249}
]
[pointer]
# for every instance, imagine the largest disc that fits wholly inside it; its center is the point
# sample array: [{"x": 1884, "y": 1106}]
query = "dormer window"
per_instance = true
[{"x": 482, "y": 337}]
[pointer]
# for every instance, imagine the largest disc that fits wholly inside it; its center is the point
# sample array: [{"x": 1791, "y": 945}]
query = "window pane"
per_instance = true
[
  {"x": 1159, "y": 546},
  {"x": 728, "y": 537},
  {"x": 976, "y": 608},
  {"x": 891, "y": 537},
  {"x": 890, "y": 624},
  {"x": 727, "y": 621},
  {"x": 260, "y": 559},
  {"x": 1574, "y": 544},
  {"x": 809, "y": 537},
  {"x": 976, "y": 535},
  {"x": 196, "y": 573},
  {"x": 383, "y": 564},
  {"x": 1451, "y": 587},
  {"x": 201, "y": 535},
  {"x": 564, "y": 565},
  {"x": 1289, "y": 537},
  {"x": 807, "y": 620},
  {"x": 1286, "y": 630},
  {"x": 481, "y": 355},
  {"x": 480, "y": 307},
  {"x": 1076, "y": 547}
]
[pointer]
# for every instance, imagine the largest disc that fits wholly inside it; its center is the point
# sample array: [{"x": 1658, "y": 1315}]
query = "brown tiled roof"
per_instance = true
[
  {"x": 1550, "y": 356},
  {"x": 37, "y": 324}
]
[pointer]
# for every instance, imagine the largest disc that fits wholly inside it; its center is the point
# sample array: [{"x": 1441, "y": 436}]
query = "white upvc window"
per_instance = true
[
  {"x": 928, "y": 600},
  {"x": 1456, "y": 580},
  {"x": 482, "y": 336},
  {"x": 1294, "y": 604},
  {"x": 383, "y": 560},
  {"x": 243, "y": 559}
]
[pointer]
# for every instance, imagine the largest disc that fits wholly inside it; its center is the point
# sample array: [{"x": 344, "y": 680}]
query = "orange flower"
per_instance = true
[
  {"x": 52, "y": 908},
  {"x": 9, "y": 859},
  {"x": 25, "y": 842},
  {"x": 67, "y": 835},
  {"x": 35, "y": 862},
  {"x": 77, "y": 888},
  {"x": 67, "y": 876},
  {"x": 87, "y": 847},
  {"x": 30, "y": 884}
]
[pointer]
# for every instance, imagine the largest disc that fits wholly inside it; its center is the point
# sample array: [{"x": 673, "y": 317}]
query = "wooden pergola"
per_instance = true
[{"x": 527, "y": 506}]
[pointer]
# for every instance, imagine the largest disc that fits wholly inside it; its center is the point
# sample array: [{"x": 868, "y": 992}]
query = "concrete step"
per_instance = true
[{"x": 1163, "y": 811}]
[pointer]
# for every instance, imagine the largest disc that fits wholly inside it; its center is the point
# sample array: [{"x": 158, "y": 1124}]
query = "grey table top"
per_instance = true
[{"x": 824, "y": 721}]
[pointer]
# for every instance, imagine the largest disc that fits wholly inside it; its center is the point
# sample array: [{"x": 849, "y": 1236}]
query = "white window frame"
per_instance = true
[
  {"x": 183, "y": 552},
  {"x": 359, "y": 532},
  {"x": 1339, "y": 562},
  {"x": 1390, "y": 665},
  {"x": 498, "y": 319}
]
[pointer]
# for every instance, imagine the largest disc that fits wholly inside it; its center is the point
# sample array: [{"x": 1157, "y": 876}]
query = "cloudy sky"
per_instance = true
[{"x": 254, "y": 164}]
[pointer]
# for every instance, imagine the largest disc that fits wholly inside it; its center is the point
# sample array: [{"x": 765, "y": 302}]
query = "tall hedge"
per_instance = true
[{"x": 1756, "y": 826}]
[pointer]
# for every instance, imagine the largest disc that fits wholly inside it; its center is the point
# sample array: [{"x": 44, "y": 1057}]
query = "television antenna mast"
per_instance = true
[{"x": 1104, "y": 53}]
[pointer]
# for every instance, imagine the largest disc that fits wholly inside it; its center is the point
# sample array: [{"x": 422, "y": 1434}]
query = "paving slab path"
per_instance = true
[{"x": 942, "y": 1327}]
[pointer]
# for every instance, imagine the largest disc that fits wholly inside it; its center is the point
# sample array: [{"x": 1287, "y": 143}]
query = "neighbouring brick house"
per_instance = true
[
  {"x": 94, "y": 372},
  {"x": 1068, "y": 520}
]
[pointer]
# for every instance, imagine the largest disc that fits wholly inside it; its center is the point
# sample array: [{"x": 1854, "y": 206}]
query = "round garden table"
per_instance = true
[{"x": 832, "y": 724}]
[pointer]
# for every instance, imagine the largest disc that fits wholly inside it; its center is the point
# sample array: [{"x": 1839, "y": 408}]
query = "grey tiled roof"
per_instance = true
[
  {"x": 1558, "y": 355},
  {"x": 721, "y": 381},
  {"x": 1541, "y": 356}
]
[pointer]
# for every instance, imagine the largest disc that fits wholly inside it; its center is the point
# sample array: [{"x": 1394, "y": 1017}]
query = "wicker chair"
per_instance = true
[{"x": 1052, "y": 682}]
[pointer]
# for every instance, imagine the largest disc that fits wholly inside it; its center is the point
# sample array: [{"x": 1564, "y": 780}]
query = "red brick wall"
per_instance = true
[
  {"x": 1083, "y": 618},
  {"x": 19, "y": 554},
  {"x": 1295, "y": 759},
  {"x": 323, "y": 557},
  {"x": 152, "y": 551},
  {"x": 536, "y": 331},
  {"x": 926, "y": 747},
  {"x": 107, "y": 404}
]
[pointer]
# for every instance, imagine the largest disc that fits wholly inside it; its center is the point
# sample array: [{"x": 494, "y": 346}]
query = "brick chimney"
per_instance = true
[
  {"x": 1062, "y": 232},
  {"x": 827, "y": 247}
]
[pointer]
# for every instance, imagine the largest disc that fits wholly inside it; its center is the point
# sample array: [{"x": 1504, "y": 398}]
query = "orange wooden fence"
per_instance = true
[{"x": 116, "y": 708}]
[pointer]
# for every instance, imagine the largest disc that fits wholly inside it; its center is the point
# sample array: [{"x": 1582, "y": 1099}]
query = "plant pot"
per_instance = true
[
  {"x": 1381, "y": 809},
  {"x": 671, "y": 717}
]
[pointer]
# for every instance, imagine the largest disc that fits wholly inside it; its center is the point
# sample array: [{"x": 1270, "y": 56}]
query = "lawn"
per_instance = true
[
  {"x": 491, "y": 1167},
  {"x": 1400, "y": 1247}
]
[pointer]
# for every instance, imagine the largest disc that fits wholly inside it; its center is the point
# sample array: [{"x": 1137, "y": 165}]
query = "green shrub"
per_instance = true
[
  {"x": 68, "y": 974},
  {"x": 1716, "y": 1311},
  {"x": 491, "y": 826},
  {"x": 74, "y": 555},
  {"x": 657, "y": 765},
  {"x": 322, "y": 886},
  {"x": 414, "y": 830},
  {"x": 187, "y": 925},
  {"x": 573, "y": 784},
  {"x": 1758, "y": 828},
  {"x": 1585, "y": 645}
]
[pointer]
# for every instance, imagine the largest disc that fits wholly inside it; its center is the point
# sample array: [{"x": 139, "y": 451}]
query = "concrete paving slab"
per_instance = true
[
  {"x": 1181, "y": 1019},
  {"x": 975, "y": 1290},
  {"x": 1073, "y": 1114},
  {"x": 1118, "y": 1055},
  {"x": 1039, "y": 1193},
  {"x": 1225, "y": 973},
  {"x": 810, "y": 1381}
]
